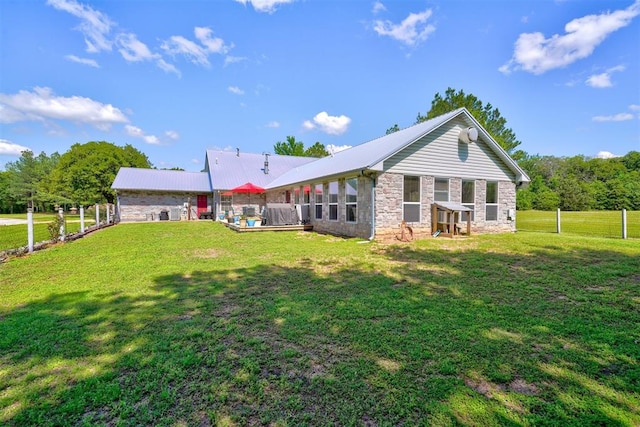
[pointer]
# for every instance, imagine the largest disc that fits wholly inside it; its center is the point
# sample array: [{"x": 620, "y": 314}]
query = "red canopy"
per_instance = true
[{"x": 248, "y": 188}]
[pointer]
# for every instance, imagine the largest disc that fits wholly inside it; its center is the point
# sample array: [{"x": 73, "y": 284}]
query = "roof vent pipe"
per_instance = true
[
  {"x": 237, "y": 151},
  {"x": 266, "y": 163}
]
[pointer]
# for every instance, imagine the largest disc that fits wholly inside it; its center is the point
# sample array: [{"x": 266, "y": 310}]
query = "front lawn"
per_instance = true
[{"x": 192, "y": 324}]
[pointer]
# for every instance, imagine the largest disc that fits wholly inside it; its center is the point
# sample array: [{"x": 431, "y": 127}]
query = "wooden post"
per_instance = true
[
  {"x": 434, "y": 218},
  {"x": 61, "y": 215},
  {"x": 30, "y": 229},
  {"x": 82, "y": 219},
  {"x": 558, "y": 220},
  {"x": 624, "y": 223}
]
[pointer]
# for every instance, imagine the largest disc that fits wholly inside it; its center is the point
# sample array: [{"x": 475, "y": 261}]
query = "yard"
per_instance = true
[{"x": 193, "y": 324}]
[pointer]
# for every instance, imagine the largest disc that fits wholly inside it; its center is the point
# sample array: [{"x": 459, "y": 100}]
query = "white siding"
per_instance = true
[{"x": 440, "y": 154}]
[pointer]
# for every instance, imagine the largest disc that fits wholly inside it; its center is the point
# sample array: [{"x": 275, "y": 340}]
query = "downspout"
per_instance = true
[{"x": 373, "y": 208}]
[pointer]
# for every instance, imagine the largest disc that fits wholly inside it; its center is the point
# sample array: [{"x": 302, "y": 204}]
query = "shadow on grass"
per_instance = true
[{"x": 410, "y": 336}]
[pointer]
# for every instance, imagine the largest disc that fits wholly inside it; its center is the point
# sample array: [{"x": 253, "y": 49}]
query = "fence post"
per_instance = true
[
  {"x": 61, "y": 215},
  {"x": 81, "y": 219},
  {"x": 624, "y": 223},
  {"x": 97, "y": 215},
  {"x": 30, "y": 229},
  {"x": 558, "y": 221},
  {"x": 108, "y": 214}
]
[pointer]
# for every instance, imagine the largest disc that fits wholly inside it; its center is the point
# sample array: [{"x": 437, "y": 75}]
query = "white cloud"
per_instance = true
[
  {"x": 94, "y": 25},
  {"x": 195, "y": 161},
  {"x": 273, "y": 124},
  {"x": 197, "y": 53},
  {"x": 172, "y": 134},
  {"x": 378, "y": 7},
  {"x": 605, "y": 155},
  {"x": 268, "y": 6},
  {"x": 43, "y": 104},
  {"x": 233, "y": 59},
  {"x": 133, "y": 50},
  {"x": 85, "y": 61},
  {"x": 620, "y": 117},
  {"x": 411, "y": 31},
  {"x": 335, "y": 148},
  {"x": 139, "y": 133},
  {"x": 332, "y": 125},
  {"x": 536, "y": 54},
  {"x": 169, "y": 68},
  {"x": 603, "y": 80},
  {"x": 236, "y": 90},
  {"x": 8, "y": 148}
]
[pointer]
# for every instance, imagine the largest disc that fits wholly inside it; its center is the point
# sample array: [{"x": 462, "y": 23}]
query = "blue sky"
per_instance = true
[{"x": 175, "y": 78}]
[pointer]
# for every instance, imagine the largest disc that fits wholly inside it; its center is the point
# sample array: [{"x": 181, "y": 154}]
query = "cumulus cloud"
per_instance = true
[
  {"x": 378, "y": 7},
  {"x": 273, "y": 124},
  {"x": 95, "y": 26},
  {"x": 268, "y": 6},
  {"x": 236, "y": 90},
  {"x": 84, "y": 61},
  {"x": 172, "y": 134},
  {"x": 536, "y": 54},
  {"x": 603, "y": 80},
  {"x": 42, "y": 104},
  {"x": 133, "y": 50},
  {"x": 139, "y": 133},
  {"x": 605, "y": 155},
  {"x": 332, "y": 125},
  {"x": 8, "y": 148},
  {"x": 196, "y": 53},
  {"x": 411, "y": 31}
]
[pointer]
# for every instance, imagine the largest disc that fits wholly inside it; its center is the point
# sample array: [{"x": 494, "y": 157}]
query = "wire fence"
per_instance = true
[{"x": 587, "y": 223}]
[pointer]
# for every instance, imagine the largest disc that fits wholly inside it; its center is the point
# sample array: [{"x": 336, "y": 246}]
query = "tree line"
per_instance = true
[{"x": 84, "y": 174}]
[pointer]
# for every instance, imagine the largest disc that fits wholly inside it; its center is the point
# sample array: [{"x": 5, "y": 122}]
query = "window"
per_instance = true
[
  {"x": 296, "y": 196},
  {"x": 492, "y": 201},
  {"x": 307, "y": 190},
  {"x": 318, "y": 201},
  {"x": 441, "y": 190},
  {"x": 351, "y": 199},
  {"x": 333, "y": 201},
  {"x": 225, "y": 203},
  {"x": 306, "y": 208},
  {"x": 468, "y": 198},
  {"x": 411, "y": 199}
]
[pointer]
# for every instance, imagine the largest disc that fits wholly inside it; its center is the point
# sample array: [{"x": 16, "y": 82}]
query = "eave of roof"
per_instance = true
[{"x": 139, "y": 179}]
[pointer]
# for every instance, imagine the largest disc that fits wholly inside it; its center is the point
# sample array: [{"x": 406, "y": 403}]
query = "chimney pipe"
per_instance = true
[
  {"x": 237, "y": 151},
  {"x": 266, "y": 163}
]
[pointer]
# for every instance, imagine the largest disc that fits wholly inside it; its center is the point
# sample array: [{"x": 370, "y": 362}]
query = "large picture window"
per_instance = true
[
  {"x": 333, "y": 201},
  {"x": 441, "y": 190},
  {"x": 468, "y": 198},
  {"x": 492, "y": 201},
  {"x": 411, "y": 199},
  {"x": 318, "y": 201},
  {"x": 351, "y": 199}
]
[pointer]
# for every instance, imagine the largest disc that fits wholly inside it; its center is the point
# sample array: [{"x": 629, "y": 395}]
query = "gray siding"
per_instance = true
[{"x": 440, "y": 154}]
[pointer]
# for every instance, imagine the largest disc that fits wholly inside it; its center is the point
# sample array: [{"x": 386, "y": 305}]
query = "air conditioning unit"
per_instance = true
[
  {"x": 468, "y": 135},
  {"x": 174, "y": 214}
]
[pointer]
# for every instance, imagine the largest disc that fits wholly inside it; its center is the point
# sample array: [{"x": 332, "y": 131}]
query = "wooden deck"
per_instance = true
[{"x": 303, "y": 227}]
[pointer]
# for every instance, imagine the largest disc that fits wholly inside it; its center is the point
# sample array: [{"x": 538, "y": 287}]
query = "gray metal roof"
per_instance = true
[
  {"x": 370, "y": 155},
  {"x": 161, "y": 180},
  {"x": 228, "y": 169}
]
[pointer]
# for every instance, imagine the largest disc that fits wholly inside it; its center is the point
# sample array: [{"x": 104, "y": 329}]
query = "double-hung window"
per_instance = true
[
  {"x": 441, "y": 190},
  {"x": 351, "y": 199},
  {"x": 411, "y": 199},
  {"x": 318, "y": 201},
  {"x": 492, "y": 201},
  {"x": 226, "y": 203},
  {"x": 468, "y": 198},
  {"x": 333, "y": 201}
]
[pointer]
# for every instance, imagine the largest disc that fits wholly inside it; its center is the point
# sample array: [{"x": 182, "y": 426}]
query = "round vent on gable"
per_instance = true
[{"x": 468, "y": 135}]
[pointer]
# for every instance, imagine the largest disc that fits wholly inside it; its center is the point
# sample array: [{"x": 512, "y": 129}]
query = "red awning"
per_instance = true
[{"x": 248, "y": 188}]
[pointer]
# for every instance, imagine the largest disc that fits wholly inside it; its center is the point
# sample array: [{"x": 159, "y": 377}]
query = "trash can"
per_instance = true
[{"x": 164, "y": 215}]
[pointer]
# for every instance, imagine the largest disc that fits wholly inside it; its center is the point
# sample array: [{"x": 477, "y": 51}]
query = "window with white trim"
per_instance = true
[
  {"x": 441, "y": 190},
  {"x": 468, "y": 198},
  {"x": 333, "y": 201},
  {"x": 492, "y": 201},
  {"x": 225, "y": 203},
  {"x": 351, "y": 199},
  {"x": 318, "y": 201},
  {"x": 296, "y": 196},
  {"x": 411, "y": 199}
]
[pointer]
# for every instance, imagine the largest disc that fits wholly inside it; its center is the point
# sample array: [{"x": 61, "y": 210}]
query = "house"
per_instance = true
[{"x": 424, "y": 174}]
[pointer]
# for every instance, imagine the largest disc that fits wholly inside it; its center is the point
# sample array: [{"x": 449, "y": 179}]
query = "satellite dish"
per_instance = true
[{"x": 468, "y": 135}]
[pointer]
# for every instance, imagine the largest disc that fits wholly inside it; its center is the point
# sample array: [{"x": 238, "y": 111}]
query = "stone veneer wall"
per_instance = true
[{"x": 146, "y": 205}]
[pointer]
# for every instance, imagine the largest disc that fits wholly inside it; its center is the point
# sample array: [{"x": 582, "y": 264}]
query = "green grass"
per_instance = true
[
  {"x": 590, "y": 223},
  {"x": 193, "y": 324},
  {"x": 15, "y": 236}
]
